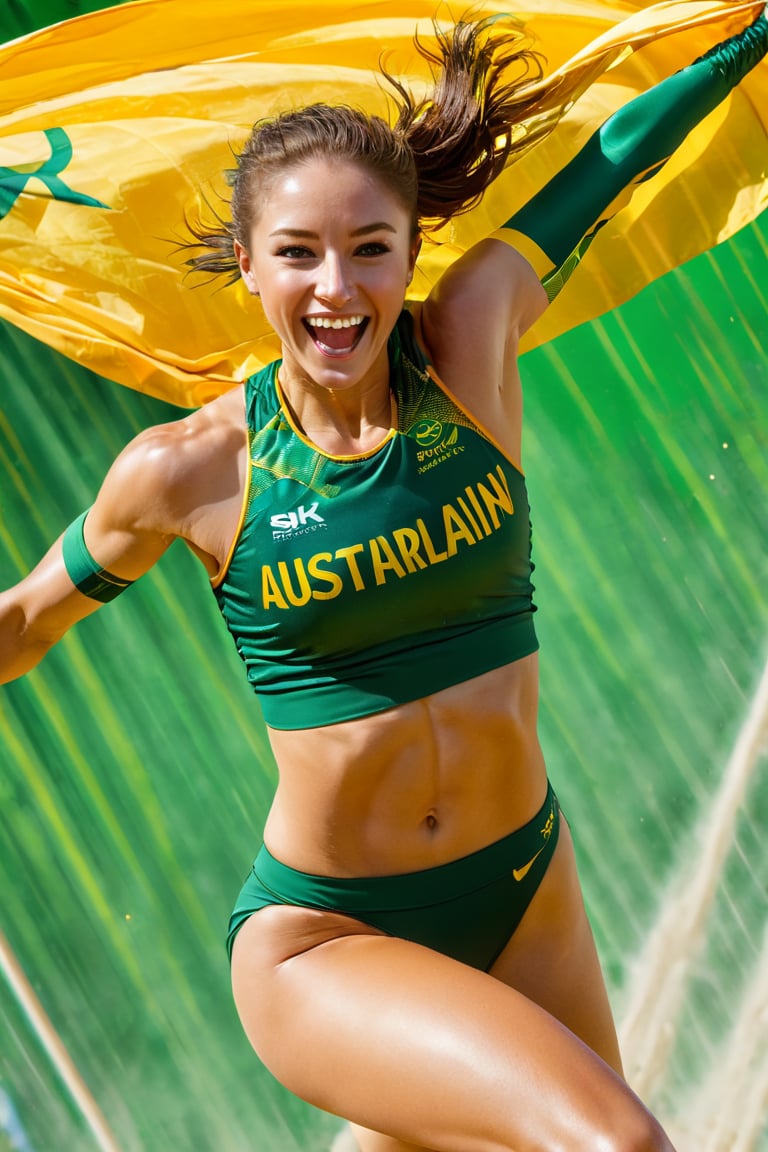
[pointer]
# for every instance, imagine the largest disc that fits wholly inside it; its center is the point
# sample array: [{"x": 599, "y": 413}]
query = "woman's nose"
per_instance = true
[{"x": 333, "y": 285}]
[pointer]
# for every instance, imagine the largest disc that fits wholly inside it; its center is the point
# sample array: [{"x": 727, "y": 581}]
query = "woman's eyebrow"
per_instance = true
[{"x": 306, "y": 234}]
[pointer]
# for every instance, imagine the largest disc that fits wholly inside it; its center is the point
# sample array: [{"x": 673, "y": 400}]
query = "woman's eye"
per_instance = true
[
  {"x": 374, "y": 248},
  {"x": 295, "y": 252}
]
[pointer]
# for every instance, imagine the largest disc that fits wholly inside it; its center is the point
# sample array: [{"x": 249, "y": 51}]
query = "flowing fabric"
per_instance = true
[{"x": 115, "y": 128}]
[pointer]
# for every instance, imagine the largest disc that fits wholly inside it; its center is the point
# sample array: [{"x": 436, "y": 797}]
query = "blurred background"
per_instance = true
[{"x": 135, "y": 771}]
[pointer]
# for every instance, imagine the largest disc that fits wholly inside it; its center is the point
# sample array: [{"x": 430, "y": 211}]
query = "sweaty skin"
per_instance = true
[{"x": 404, "y": 1040}]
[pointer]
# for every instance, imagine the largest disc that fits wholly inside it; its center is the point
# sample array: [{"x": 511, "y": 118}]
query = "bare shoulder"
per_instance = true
[
  {"x": 182, "y": 480},
  {"x": 173, "y": 450},
  {"x": 161, "y": 476}
]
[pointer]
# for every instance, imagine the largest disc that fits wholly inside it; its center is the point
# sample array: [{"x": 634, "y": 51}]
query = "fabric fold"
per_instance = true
[{"x": 115, "y": 128}]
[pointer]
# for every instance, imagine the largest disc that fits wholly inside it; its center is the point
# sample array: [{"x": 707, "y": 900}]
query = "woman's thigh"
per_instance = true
[
  {"x": 552, "y": 958},
  {"x": 402, "y": 1040}
]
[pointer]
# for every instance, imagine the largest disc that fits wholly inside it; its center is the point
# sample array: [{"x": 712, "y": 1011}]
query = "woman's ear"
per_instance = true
[
  {"x": 246, "y": 268},
  {"x": 415, "y": 249}
]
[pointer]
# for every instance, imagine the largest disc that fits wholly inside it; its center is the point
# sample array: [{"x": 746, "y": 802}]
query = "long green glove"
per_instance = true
[{"x": 633, "y": 144}]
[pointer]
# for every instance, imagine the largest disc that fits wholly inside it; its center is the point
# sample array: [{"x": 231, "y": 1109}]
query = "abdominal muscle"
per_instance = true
[{"x": 413, "y": 787}]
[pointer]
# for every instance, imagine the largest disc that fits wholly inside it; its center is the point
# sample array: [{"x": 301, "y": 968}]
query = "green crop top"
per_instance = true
[{"x": 359, "y": 583}]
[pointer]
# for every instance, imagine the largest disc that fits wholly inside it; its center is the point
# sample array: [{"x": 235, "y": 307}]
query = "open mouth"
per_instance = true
[{"x": 336, "y": 336}]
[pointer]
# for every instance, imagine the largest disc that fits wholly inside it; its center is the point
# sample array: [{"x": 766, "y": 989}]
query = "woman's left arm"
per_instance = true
[
  {"x": 630, "y": 147},
  {"x": 472, "y": 321},
  {"x": 498, "y": 290}
]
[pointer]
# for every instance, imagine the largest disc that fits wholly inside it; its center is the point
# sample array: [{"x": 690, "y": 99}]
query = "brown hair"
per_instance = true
[{"x": 439, "y": 157}]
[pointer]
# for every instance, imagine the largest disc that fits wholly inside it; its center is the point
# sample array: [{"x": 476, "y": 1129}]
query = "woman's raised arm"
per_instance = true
[{"x": 556, "y": 227}]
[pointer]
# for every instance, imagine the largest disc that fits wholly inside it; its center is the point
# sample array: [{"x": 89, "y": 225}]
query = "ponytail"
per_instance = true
[
  {"x": 439, "y": 157},
  {"x": 463, "y": 134}
]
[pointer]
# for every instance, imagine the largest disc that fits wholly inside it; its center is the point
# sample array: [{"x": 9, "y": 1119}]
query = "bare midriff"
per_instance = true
[{"x": 414, "y": 787}]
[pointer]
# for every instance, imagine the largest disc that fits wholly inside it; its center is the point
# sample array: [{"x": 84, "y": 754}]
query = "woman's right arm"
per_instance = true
[{"x": 122, "y": 536}]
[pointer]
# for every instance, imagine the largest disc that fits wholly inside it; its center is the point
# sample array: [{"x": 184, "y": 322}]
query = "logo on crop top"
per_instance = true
[
  {"x": 428, "y": 432},
  {"x": 298, "y": 523},
  {"x": 434, "y": 447}
]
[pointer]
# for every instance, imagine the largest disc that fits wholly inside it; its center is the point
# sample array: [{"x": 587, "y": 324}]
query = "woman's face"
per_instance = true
[{"x": 330, "y": 255}]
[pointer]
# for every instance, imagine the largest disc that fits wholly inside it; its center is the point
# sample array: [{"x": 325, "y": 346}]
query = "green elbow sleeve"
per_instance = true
[{"x": 86, "y": 575}]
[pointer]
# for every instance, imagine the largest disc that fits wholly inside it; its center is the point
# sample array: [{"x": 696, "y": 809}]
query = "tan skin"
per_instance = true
[{"x": 396, "y": 1038}]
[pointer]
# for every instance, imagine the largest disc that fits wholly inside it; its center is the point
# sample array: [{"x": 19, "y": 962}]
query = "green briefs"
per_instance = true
[{"x": 467, "y": 909}]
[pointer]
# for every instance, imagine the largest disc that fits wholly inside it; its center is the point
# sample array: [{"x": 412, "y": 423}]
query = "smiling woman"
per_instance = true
[
  {"x": 410, "y": 949},
  {"x": 330, "y": 254}
]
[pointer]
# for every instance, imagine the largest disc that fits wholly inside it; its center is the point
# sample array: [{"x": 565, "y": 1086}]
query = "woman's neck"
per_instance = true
[{"x": 339, "y": 421}]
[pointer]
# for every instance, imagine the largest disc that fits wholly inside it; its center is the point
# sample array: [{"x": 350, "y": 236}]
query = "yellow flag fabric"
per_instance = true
[{"x": 115, "y": 127}]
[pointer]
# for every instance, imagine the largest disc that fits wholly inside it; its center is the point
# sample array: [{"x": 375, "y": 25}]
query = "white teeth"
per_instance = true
[{"x": 339, "y": 322}]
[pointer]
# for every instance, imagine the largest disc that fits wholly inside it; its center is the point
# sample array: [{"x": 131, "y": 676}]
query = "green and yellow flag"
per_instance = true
[{"x": 115, "y": 128}]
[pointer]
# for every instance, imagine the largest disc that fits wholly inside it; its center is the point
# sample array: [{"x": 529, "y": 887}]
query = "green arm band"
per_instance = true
[
  {"x": 82, "y": 569},
  {"x": 633, "y": 144}
]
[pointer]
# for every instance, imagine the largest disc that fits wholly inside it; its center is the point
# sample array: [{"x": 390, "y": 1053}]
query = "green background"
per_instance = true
[{"x": 136, "y": 773}]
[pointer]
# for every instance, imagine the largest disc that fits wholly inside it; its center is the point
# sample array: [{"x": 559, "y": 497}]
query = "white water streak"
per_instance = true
[
  {"x": 728, "y": 1110},
  {"x": 661, "y": 973},
  {"x": 54, "y": 1046},
  {"x": 345, "y": 1141},
  {"x": 734, "y": 1121}
]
